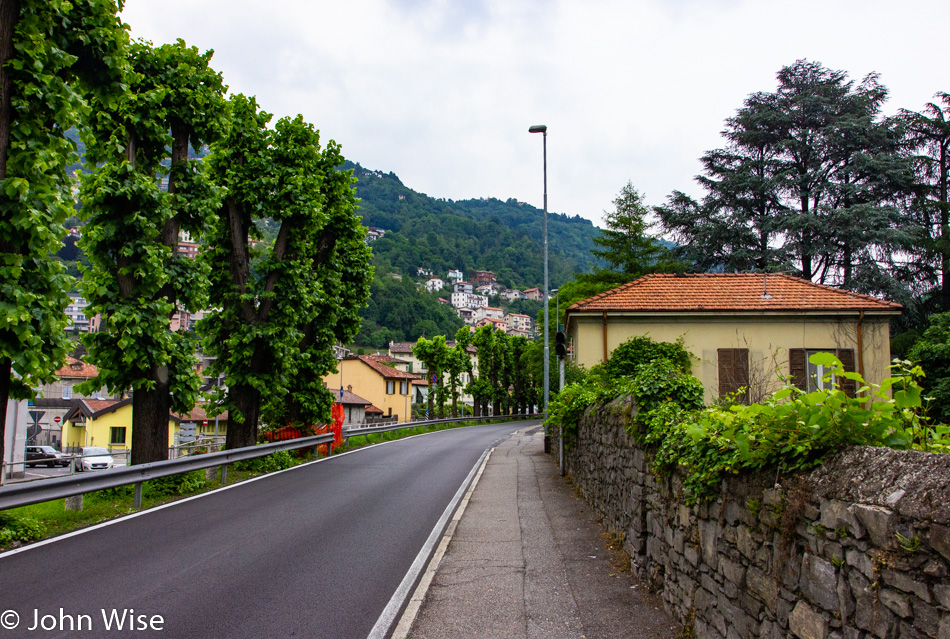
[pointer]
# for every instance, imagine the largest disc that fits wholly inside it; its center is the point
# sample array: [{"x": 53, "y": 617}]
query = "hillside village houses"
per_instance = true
[{"x": 434, "y": 284}]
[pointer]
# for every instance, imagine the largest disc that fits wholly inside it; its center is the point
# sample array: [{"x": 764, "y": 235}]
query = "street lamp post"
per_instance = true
[{"x": 543, "y": 130}]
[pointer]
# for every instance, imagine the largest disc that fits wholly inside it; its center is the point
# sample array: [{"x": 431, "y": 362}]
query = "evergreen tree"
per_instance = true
[
  {"x": 928, "y": 135},
  {"x": 625, "y": 244}
]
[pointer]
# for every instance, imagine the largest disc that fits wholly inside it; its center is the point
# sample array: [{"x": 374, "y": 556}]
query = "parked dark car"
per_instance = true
[{"x": 45, "y": 455}]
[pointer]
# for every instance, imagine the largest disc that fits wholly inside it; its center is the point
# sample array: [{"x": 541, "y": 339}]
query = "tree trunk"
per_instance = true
[
  {"x": 247, "y": 400},
  {"x": 9, "y": 14},
  {"x": 944, "y": 230},
  {"x": 150, "y": 412},
  {"x": 6, "y": 370}
]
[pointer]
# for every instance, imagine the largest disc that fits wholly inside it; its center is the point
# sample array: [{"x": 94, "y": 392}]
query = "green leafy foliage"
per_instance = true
[
  {"x": 627, "y": 358},
  {"x": 793, "y": 430},
  {"x": 282, "y": 305},
  {"x": 271, "y": 463},
  {"x": 19, "y": 529},
  {"x": 932, "y": 352},
  {"x": 790, "y": 431}
]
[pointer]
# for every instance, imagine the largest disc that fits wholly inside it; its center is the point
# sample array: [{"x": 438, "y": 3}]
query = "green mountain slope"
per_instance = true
[{"x": 489, "y": 234}]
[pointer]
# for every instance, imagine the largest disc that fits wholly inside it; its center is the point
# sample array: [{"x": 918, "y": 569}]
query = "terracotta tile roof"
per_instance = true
[
  {"x": 197, "y": 414},
  {"x": 75, "y": 368},
  {"x": 401, "y": 347},
  {"x": 376, "y": 363},
  {"x": 730, "y": 292}
]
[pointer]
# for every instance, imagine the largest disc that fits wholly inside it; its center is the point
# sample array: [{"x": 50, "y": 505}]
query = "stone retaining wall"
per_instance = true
[{"x": 858, "y": 548}]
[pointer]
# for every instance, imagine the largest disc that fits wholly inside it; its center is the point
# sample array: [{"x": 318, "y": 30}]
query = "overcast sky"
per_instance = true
[{"x": 442, "y": 92}]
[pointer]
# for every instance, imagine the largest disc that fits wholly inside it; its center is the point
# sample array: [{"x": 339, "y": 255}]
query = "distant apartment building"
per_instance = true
[
  {"x": 518, "y": 322},
  {"x": 455, "y": 276},
  {"x": 512, "y": 294},
  {"x": 468, "y": 300},
  {"x": 497, "y": 324},
  {"x": 188, "y": 249},
  {"x": 483, "y": 277},
  {"x": 434, "y": 284},
  {"x": 463, "y": 287},
  {"x": 373, "y": 233},
  {"x": 489, "y": 289},
  {"x": 534, "y": 294},
  {"x": 76, "y": 312},
  {"x": 491, "y": 312},
  {"x": 423, "y": 272}
]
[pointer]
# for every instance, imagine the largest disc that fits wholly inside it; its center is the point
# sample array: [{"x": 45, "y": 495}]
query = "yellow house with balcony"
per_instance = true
[{"x": 108, "y": 423}]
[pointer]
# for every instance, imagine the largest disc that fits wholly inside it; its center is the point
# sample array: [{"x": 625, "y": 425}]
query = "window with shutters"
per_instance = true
[
  {"x": 734, "y": 373},
  {"x": 811, "y": 377},
  {"x": 390, "y": 387}
]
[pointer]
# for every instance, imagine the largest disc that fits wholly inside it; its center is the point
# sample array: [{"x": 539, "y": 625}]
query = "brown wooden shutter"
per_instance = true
[
  {"x": 797, "y": 362},
  {"x": 734, "y": 372},
  {"x": 846, "y": 355}
]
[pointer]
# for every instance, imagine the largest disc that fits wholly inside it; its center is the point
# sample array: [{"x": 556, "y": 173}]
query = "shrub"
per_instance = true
[
  {"x": 271, "y": 463},
  {"x": 636, "y": 351},
  {"x": 932, "y": 352},
  {"x": 21, "y": 529}
]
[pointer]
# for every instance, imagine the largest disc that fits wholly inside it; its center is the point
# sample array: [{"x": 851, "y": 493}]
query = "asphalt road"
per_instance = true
[{"x": 317, "y": 551}]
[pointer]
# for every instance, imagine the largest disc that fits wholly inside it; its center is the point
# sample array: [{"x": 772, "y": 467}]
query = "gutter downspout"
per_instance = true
[
  {"x": 861, "y": 344},
  {"x": 605, "y": 337}
]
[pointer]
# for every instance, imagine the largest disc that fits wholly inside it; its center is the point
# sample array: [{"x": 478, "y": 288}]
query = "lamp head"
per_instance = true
[{"x": 538, "y": 128}]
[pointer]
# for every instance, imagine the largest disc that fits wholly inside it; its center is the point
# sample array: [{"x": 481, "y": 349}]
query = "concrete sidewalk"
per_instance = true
[{"x": 527, "y": 559}]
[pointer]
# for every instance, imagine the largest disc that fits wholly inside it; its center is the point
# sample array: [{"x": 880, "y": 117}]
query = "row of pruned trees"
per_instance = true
[
  {"x": 278, "y": 307},
  {"x": 504, "y": 377}
]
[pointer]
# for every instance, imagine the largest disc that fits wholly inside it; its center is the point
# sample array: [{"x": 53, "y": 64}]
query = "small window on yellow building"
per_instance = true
[{"x": 117, "y": 435}]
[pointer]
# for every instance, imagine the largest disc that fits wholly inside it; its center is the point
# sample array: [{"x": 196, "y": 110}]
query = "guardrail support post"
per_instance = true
[
  {"x": 138, "y": 495},
  {"x": 224, "y": 474},
  {"x": 74, "y": 503}
]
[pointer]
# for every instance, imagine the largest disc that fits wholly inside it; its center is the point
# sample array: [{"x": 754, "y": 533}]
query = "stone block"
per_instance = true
[
  {"x": 819, "y": 582},
  {"x": 762, "y": 586},
  {"x": 896, "y": 601},
  {"x": 732, "y": 571},
  {"x": 936, "y": 568},
  {"x": 744, "y": 542},
  {"x": 709, "y": 542},
  {"x": 691, "y": 555},
  {"x": 835, "y": 514},
  {"x": 940, "y": 539},
  {"x": 926, "y": 618},
  {"x": 845, "y": 598},
  {"x": 904, "y": 582},
  {"x": 873, "y": 616},
  {"x": 859, "y": 560},
  {"x": 942, "y": 592},
  {"x": 806, "y": 623},
  {"x": 943, "y": 631},
  {"x": 880, "y": 523}
]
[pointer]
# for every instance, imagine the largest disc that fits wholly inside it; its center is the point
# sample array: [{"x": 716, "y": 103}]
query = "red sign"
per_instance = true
[
  {"x": 57, "y": 419},
  {"x": 205, "y": 422}
]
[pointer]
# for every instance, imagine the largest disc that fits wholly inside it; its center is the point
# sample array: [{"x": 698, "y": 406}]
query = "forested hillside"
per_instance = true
[{"x": 500, "y": 236}]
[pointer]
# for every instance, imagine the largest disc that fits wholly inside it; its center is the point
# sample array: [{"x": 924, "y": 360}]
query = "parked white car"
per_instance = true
[{"x": 92, "y": 458}]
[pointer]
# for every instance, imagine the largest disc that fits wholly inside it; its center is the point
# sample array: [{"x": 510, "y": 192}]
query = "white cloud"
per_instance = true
[{"x": 442, "y": 92}]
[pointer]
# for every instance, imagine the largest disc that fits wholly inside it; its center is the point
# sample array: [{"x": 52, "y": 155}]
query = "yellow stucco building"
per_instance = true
[
  {"x": 388, "y": 388},
  {"x": 108, "y": 423},
  {"x": 743, "y": 329}
]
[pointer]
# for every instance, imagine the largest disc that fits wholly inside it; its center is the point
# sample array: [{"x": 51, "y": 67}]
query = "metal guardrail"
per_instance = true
[
  {"x": 34, "y": 492},
  {"x": 370, "y": 430}
]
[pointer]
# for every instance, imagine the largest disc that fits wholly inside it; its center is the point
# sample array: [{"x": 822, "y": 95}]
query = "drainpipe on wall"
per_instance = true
[
  {"x": 605, "y": 337},
  {"x": 861, "y": 344}
]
